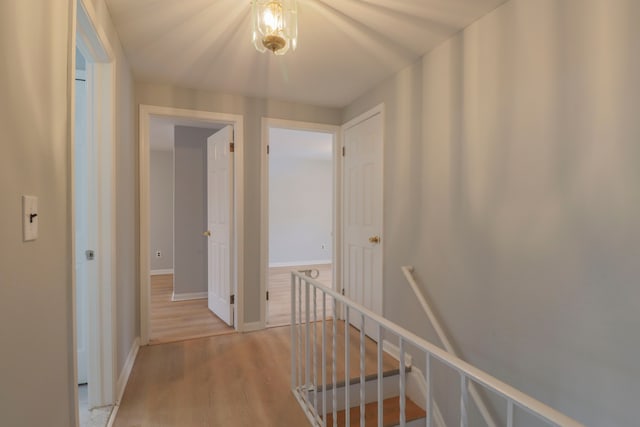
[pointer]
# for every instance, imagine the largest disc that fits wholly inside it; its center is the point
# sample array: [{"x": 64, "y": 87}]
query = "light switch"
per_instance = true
[{"x": 29, "y": 218}]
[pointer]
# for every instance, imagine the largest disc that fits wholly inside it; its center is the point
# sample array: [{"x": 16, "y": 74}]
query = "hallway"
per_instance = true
[{"x": 231, "y": 380}]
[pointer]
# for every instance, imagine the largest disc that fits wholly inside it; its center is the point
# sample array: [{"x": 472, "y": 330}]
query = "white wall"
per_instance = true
[
  {"x": 161, "y": 212},
  {"x": 300, "y": 197},
  {"x": 516, "y": 144},
  {"x": 36, "y": 361}
]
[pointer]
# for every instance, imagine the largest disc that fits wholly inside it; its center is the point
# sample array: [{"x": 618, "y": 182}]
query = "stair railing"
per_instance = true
[
  {"x": 309, "y": 382},
  {"x": 473, "y": 391}
]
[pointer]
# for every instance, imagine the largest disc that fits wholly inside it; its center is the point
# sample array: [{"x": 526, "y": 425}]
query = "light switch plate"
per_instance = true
[{"x": 29, "y": 218}]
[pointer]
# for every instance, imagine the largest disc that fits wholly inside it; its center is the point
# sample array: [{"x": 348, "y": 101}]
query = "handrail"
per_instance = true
[
  {"x": 477, "y": 399},
  {"x": 469, "y": 372}
]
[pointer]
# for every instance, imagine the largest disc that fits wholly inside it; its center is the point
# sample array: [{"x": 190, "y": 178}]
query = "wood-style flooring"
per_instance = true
[
  {"x": 279, "y": 307},
  {"x": 180, "y": 320},
  {"x": 236, "y": 380}
]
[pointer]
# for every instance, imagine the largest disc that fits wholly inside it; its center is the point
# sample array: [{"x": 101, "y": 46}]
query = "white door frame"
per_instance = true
[
  {"x": 95, "y": 47},
  {"x": 378, "y": 109},
  {"x": 237, "y": 259},
  {"x": 334, "y": 130}
]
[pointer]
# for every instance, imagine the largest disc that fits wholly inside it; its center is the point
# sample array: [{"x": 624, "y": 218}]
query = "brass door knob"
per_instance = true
[
  {"x": 207, "y": 233},
  {"x": 374, "y": 239}
]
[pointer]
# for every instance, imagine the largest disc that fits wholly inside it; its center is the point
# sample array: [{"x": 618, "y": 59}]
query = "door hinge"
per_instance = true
[
  {"x": 343, "y": 291},
  {"x": 267, "y": 295},
  {"x": 232, "y": 299},
  {"x": 344, "y": 151},
  {"x": 232, "y": 147},
  {"x": 268, "y": 149}
]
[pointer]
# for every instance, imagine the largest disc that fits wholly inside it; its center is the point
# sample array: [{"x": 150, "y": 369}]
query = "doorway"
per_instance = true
[
  {"x": 93, "y": 219},
  {"x": 298, "y": 210},
  {"x": 184, "y": 196},
  {"x": 198, "y": 228}
]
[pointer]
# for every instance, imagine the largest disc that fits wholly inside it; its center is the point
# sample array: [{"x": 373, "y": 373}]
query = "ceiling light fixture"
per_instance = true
[{"x": 275, "y": 25}]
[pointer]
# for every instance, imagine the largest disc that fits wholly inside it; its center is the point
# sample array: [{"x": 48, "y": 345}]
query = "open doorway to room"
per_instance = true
[
  {"x": 190, "y": 223},
  {"x": 299, "y": 209},
  {"x": 93, "y": 221},
  {"x": 183, "y": 197}
]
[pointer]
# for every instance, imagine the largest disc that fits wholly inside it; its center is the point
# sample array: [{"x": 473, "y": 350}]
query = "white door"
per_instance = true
[
  {"x": 220, "y": 222},
  {"x": 85, "y": 189},
  {"x": 362, "y": 216}
]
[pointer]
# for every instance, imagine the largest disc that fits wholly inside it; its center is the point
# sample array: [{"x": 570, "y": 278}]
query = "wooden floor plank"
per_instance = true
[
  {"x": 230, "y": 380},
  {"x": 180, "y": 320},
  {"x": 390, "y": 414}
]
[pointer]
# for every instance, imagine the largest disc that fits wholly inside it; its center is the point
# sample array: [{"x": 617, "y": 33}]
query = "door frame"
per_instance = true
[
  {"x": 237, "y": 258},
  {"x": 92, "y": 42},
  {"x": 378, "y": 109},
  {"x": 334, "y": 130}
]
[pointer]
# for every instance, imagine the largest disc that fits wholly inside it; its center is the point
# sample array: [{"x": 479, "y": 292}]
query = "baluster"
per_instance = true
[
  {"x": 315, "y": 349},
  {"x": 429, "y": 405},
  {"x": 380, "y": 375},
  {"x": 334, "y": 364},
  {"x": 307, "y": 368},
  {"x": 324, "y": 358},
  {"x": 464, "y": 399},
  {"x": 403, "y": 397},
  {"x": 347, "y": 366},
  {"x": 299, "y": 331},
  {"x": 293, "y": 332},
  {"x": 510, "y": 413},
  {"x": 362, "y": 366}
]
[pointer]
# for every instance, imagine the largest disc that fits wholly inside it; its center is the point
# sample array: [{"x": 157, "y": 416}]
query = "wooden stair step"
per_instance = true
[
  {"x": 355, "y": 377},
  {"x": 391, "y": 414}
]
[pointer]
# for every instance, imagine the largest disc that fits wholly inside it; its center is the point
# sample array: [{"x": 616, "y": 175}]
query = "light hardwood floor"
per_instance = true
[
  {"x": 238, "y": 380},
  {"x": 279, "y": 307},
  {"x": 180, "y": 320}
]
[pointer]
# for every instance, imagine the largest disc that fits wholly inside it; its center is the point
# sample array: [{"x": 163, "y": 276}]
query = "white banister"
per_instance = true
[
  {"x": 302, "y": 388},
  {"x": 477, "y": 399}
]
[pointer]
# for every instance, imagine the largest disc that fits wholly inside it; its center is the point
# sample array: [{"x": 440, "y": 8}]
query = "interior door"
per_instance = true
[
  {"x": 85, "y": 205},
  {"x": 362, "y": 218},
  {"x": 220, "y": 223}
]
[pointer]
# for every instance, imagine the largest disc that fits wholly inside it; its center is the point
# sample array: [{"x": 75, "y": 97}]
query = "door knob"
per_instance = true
[
  {"x": 207, "y": 233},
  {"x": 374, "y": 239}
]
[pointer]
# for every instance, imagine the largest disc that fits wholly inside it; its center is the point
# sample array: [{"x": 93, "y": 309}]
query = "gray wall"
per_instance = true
[
  {"x": 190, "y": 209},
  {"x": 161, "y": 212},
  {"x": 35, "y": 277},
  {"x": 253, "y": 110},
  {"x": 517, "y": 144}
]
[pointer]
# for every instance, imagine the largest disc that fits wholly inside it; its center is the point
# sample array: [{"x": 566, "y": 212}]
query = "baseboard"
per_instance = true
[
  {"x": 417, "y": 391},
  {"x": 189, "y": 296},
  {"x": 300, "y": 263},
  {"x": 252, "y": 326},
  {"x": 124, "y": 378},
  {"x": 394, "y": 351},
  {"x": 160, "y": 272}
]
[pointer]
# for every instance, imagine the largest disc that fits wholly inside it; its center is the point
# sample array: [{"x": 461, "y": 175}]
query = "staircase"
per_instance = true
[
  {"x": 341, "y": 377},
  {"x": 356, "y": 387}
]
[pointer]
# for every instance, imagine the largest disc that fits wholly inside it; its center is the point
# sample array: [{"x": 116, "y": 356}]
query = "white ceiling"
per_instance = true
[{"x": 344, "y": 47}]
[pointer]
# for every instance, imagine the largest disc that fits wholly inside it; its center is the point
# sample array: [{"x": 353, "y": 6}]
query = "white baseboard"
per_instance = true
[
  {"x": 124, "y": 378},
  {"x": 394, "y": 351},
  {"x": 300, "y": 263},
  {"x": 417, "y": 391},
  {"x": 160, "y": 272},
  {"x": 189, "y": 296},
  {"x": 252, "y": 326}
]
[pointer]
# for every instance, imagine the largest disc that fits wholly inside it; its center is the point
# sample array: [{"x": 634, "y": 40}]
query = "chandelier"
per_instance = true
[{"x": 275, "y": 25}]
